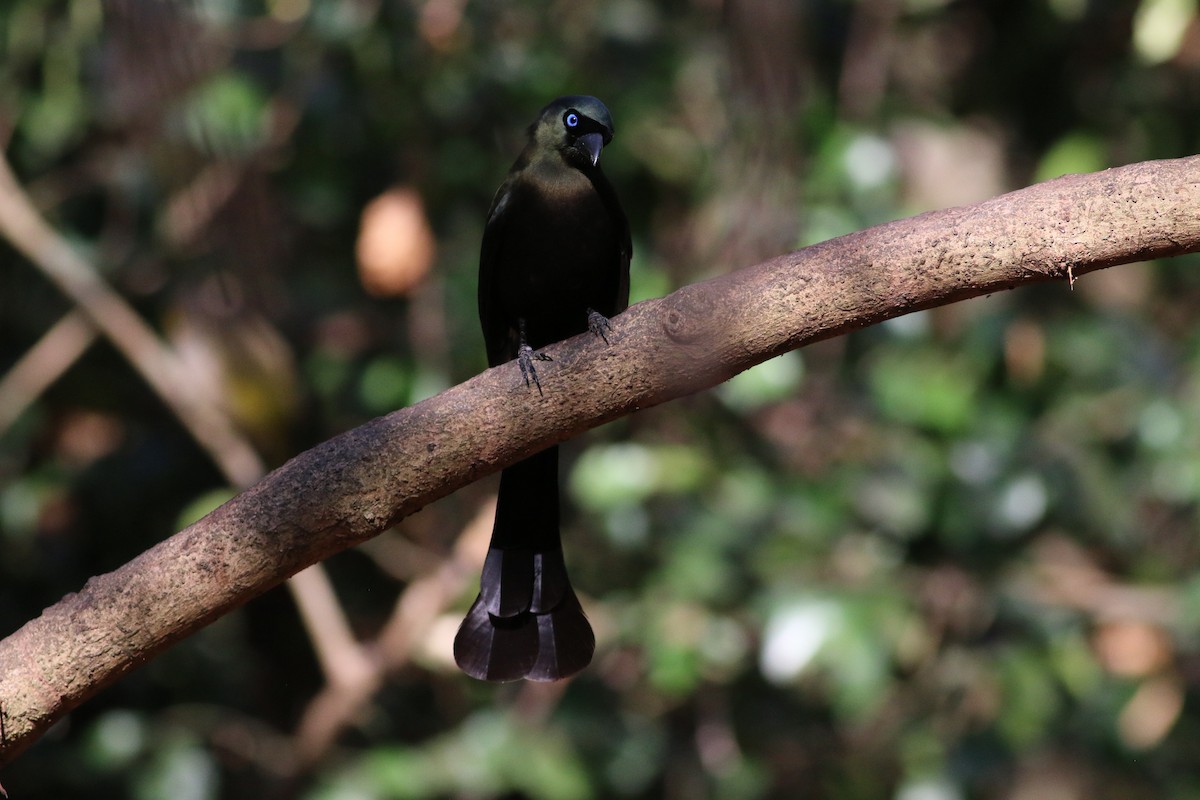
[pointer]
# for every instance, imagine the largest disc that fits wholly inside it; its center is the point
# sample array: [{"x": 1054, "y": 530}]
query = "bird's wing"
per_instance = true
[
  {"x": 501, "y": 346},
  {"x": 626, "y": 257},
  {"x": 608, "y": 196}
]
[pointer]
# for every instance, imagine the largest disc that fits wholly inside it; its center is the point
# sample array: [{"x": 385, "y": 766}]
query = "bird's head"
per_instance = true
[{"x": 577, "y": 127}]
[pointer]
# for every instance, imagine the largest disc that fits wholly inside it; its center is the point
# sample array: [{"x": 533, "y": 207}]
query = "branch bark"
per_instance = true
[{"x": 356, "y": 485}]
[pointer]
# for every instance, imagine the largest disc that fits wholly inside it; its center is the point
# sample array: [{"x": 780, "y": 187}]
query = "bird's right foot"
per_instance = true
[{"x": 525, "y": 358}]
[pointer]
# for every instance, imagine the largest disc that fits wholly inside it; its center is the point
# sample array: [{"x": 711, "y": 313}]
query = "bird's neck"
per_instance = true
[{"x": 551, "y": 164}]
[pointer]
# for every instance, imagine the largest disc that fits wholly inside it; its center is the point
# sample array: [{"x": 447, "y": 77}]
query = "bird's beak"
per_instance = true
[{"x": 593, "y": 143}]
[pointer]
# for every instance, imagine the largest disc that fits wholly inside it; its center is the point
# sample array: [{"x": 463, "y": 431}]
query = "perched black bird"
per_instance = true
[{"x": 555, "y": 263}]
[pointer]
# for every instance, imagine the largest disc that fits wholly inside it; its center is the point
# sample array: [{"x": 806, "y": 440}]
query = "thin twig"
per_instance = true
[
  {"x": 189, "y": 400},
  {"x": 414, "y": 614},
  {"x": 342, "y": 659},
  {"x": 43, "y": 364}
]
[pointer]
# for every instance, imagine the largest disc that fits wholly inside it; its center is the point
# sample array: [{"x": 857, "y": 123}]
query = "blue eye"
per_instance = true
[{"x": 572, "y": 119}]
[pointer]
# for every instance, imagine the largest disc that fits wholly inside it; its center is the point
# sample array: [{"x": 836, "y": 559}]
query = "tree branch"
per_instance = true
[
  {"x": 189, "y": 396},
  {"x": 189, "y": 399},
  {"x": 356, "y": 485},
  {"x": 45, "y": 363}
]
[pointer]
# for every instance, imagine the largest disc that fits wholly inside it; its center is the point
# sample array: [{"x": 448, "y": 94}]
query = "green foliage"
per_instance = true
[
  {"x": 953, "y": 556},
  {"x": 487, "y": 754}
]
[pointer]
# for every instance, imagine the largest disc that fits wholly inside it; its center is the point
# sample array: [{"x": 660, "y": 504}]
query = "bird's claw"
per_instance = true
[
  {"x": 525, "y": 359},
  {"x": 598, "y": 324}
]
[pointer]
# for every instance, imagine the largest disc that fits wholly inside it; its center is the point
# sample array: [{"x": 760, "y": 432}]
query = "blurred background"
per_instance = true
[{"x": 952, "y": 556}]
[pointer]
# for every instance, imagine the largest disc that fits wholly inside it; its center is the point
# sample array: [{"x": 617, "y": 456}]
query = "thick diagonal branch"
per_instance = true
[{"x": 356, "y": 485}]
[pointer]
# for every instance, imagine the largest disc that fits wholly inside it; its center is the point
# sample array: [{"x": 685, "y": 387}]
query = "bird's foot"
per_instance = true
[
  {"x": 525, "y": 359},
  {"x": 598, "y": 324}
]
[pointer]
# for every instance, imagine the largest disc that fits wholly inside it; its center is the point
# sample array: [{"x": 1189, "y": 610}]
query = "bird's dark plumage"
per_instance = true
[{"x": 554, "y": 263}]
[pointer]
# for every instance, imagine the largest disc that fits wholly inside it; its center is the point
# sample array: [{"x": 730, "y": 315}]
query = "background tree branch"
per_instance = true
[
  {"x": 189, "y": 396},
  {"x": 354, "y": 486}
]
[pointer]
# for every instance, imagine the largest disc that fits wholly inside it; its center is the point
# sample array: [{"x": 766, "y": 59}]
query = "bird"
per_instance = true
[{"x": 554, "y": 263}]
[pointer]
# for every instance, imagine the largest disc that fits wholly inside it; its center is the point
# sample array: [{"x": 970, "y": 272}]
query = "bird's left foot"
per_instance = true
[{"x": 598, "y": 324}]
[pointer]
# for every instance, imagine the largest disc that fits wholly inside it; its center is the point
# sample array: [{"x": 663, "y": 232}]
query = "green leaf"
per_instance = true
[
  {"x": 608, "y": 476},
  {"x": 1075, "y": 153},
  {"x": 925, "y": 388},
  {"x": 227, "y": 116}
]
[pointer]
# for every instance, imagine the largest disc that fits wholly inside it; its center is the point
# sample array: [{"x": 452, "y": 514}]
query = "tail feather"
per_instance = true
[
  {"x": 565, "y": 641},
  {"x": 497, "y": 649},
  {"x": 547, "y": 639},
  {"x": 507, "y": 584},
  {"x": 523, "y": 579},
  {"x": 551, "y": 587},
  {"x": 526, "y": 622}
]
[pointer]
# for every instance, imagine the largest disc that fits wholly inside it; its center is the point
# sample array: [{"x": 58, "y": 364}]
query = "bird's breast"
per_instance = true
[{"x": 561, "y": 256}]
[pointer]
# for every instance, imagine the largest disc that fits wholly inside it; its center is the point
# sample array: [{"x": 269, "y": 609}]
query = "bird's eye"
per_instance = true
[{"x": 571, "y": 119}]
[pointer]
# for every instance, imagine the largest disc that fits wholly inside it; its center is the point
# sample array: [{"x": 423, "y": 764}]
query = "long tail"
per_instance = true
[{"x": 526, "y": 622}]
